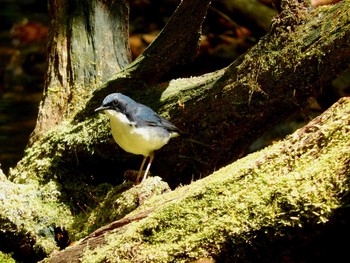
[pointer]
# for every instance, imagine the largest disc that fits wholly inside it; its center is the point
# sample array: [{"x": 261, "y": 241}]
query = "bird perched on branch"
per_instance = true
[{"x": 137, "y": 128}]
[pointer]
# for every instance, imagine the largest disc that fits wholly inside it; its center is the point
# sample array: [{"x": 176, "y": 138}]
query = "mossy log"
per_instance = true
[
  {"x": 265, "y": 202},
  {"x": 225, "y": 111},
  {"x": 69, "y": 167}
]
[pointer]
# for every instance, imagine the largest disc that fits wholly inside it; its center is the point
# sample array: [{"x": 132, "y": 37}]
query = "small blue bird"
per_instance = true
[{"x": 137, "y": 128}]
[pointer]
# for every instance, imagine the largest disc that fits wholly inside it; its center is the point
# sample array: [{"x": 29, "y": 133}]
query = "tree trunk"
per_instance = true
[{"x": 88, "y": 43}]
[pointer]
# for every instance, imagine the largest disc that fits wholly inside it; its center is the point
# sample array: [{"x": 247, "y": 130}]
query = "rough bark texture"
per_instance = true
[
  {"x": 264, "y": 203},
  {"x": 88, "y": 43}
]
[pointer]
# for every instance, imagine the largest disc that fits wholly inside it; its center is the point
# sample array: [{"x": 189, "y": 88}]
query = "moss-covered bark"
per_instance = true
[
  {"x": 88, "y": 42},
  {"x": 224, "y": 111},
  {"x": 275, "y": 195},
  {"x": 29, "y": 216},
  {"x": 6, "y": 258}
]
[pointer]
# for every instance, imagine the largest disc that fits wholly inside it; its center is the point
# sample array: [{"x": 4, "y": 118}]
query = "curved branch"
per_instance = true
[{"x": 176, "y": 44}]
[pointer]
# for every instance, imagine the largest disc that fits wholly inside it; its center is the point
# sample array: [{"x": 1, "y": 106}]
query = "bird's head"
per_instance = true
[{"x": 115, "y": 101}]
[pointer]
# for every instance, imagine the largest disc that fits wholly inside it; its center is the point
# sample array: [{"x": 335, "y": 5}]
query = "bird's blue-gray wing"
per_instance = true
[{"x": 145, "y": 116}]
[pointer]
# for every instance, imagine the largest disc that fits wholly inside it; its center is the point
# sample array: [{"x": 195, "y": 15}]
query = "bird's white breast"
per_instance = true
[{"x": 136, "y": 140}]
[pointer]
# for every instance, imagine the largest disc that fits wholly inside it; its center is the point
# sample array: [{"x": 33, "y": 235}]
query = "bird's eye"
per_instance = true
[{"x": 115, "y": 103}]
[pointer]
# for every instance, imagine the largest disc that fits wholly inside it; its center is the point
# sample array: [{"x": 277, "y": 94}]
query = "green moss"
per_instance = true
[
  {"x": 6, "y": 258},
  {"x": 296, "y": 182},
  {"x": 41, "y": 160},
  {"x": 226, "y": 205},
  {"x": 118, "y": 202},
  {"x": 42, "y": 193},
  {"x": 32, "y": 212},
  {"x": 292, "y": 48}
]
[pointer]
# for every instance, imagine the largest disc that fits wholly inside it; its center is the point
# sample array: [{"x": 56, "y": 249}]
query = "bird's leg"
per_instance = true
[
  {"x": 151, "y": 157},
  {"x": 140, "y": 171}
]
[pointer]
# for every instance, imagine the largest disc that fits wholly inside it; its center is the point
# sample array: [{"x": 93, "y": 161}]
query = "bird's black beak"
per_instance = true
[{"x": 101, "y": 108}]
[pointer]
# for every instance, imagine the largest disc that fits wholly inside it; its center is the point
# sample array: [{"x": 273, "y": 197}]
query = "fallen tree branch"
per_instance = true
[{"x": 296, "y": 184}]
